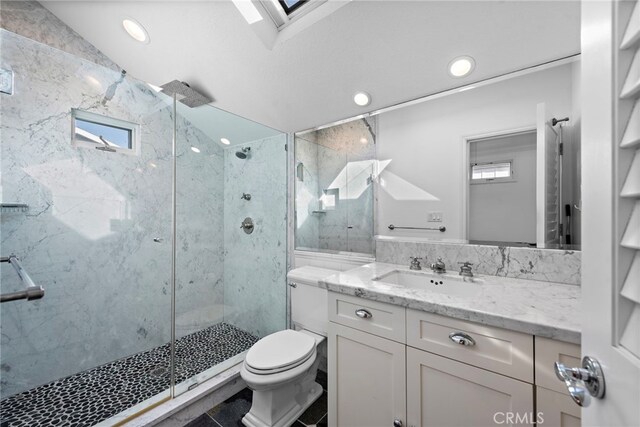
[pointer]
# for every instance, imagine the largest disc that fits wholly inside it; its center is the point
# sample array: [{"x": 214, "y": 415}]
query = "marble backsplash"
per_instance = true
[{"x": 549, "y": 265}]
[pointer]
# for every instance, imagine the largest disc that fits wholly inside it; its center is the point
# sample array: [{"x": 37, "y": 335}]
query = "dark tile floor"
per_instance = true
[
  {"x": 230, "y": 412},
  {"x": 89, "y": 397}
]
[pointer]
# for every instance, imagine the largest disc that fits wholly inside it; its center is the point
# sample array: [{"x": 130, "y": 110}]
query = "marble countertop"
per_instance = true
[{"x": 544, "y": 309}]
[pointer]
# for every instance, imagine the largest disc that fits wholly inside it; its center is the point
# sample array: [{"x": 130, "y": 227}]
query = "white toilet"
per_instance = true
[{"x": 281, "y": 368}]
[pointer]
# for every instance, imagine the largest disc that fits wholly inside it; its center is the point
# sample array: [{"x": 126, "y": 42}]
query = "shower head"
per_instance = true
[
  {"x": 244, "y": 153},
  {"x": 555, "y": 121},
  {"x": 185, "y": 94}
]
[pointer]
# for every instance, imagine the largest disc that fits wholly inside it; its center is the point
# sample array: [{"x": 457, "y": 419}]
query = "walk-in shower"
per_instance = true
[{"x": 117, "y": 328}]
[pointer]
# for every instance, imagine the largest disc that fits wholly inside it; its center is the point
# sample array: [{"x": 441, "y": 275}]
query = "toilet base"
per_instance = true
[{"x": 282, "y": 406}]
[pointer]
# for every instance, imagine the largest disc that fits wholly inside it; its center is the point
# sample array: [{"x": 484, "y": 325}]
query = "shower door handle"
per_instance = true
[{"x": 31, "y": 291}]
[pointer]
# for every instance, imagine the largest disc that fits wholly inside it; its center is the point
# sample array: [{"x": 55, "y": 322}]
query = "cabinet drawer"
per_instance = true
[
  {"x": 557, "y": 410},
  {"x": 548, "y": 352},
  {"x": 444, "y": 393},
  {"x": 499, "y": 350},
  {"x": 386, "y": 320}
]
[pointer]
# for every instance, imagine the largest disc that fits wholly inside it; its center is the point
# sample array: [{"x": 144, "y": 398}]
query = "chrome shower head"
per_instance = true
[
  {"x": 244, "y": 153},
  {"x": 185, "y": 94}
]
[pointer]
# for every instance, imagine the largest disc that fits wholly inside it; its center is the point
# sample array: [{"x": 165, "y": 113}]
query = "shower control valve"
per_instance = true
[{"x": 247, "y": 225}]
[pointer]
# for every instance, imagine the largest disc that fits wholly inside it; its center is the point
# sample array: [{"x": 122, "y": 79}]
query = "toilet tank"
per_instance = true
[{"x": 308, "y": 301}]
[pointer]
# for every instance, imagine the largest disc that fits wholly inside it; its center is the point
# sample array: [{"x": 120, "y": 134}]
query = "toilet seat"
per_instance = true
[{"x": 279, "y": 352}]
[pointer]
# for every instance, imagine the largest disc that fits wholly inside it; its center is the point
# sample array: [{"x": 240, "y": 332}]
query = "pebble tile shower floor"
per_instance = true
[{"x": 89, "y": 397}]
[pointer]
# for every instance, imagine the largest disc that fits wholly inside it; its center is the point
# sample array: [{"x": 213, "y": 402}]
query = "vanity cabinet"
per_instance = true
[
  {"x": 552, "y": 401},
  {"x": 389, "y": 363},
  {"x": 366, "y": 379},
  {"x": 442, "y": 392}
]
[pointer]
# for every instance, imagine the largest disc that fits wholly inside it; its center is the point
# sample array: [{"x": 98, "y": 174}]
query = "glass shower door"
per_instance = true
[
  {"x": 230, "y": 284},
  {"x": 92, "y": 227}
]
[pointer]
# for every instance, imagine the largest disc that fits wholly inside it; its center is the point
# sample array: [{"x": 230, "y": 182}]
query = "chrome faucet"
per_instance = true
[
  {"x": 439, "y": 266},
  {"x": 415, "y": 263},
  {"x": 465, "y": 270}
]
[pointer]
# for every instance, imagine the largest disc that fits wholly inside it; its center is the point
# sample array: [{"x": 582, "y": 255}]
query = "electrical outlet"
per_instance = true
[{"x": 434, "y": 217}]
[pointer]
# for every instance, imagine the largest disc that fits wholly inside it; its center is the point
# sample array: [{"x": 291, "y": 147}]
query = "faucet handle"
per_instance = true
[
  {"x": 415, "y": 263},
  {"x": 465, "y": 269}
]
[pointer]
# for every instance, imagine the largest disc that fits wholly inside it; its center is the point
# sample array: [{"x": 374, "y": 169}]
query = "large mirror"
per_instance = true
[{"x": 496, "y": 163}]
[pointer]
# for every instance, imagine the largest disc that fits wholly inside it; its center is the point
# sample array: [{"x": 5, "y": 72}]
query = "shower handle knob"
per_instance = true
[
  {"x": 397, "y": 423},
  {"x": 247, "y": 225}
]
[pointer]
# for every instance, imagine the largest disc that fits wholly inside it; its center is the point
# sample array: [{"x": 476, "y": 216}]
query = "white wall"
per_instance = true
[{"x": 424, "y": 145}]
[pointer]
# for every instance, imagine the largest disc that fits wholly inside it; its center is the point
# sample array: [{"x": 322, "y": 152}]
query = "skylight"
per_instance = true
[{"x": 291, "y": 5}]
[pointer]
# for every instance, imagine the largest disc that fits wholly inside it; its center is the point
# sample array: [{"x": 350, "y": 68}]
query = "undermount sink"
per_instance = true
[{"x": 446, "y": 284}]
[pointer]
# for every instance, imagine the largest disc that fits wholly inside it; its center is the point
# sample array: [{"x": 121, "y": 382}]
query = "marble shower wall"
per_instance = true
[
  {"x": 255, "y": 265},
  {"x": 88, "y": 235},
  {"x": 307, "y": 197},
  {"x": 344, "y": 160},
  {"x": 549, "y": 265}
]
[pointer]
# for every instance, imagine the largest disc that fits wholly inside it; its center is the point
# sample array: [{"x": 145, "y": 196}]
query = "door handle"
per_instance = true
[{"x": 584, "y": 382}]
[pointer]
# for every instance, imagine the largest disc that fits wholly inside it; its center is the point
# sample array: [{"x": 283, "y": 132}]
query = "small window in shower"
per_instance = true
[
  {"x": 104, "y": 133},
  {"x": 491, "y": 171}
]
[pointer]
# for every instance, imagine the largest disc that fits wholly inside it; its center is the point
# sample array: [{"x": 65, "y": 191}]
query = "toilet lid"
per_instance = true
[{"x": 280, "y": 350}]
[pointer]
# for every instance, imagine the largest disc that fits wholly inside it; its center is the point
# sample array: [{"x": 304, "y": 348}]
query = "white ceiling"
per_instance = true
[{"x": 395, "y": 50}]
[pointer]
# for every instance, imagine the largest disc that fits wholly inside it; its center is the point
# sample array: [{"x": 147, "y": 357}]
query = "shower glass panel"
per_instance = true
[
  {"x": 94, "y": 233},
  {"x": 230, "y": 285},
  {"x": 91, "y": 222},
  {"x": 335, "y": 170}
]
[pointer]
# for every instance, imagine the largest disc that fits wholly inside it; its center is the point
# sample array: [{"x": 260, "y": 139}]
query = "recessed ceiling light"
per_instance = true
[
  {"x": 135, "y": 30},
  {"x": 362, "y": 99},
  {"x": 363, "y": 140},
  {"x": 461, "y": 66},
  {"x": 195, "y": 149},
  {"x": 225, "y": 141}
]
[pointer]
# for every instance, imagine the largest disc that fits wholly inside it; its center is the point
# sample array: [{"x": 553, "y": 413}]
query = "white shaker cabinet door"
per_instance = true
[
  {"x": 367, "y": 386},
  {"x": 442, "y": 392}
]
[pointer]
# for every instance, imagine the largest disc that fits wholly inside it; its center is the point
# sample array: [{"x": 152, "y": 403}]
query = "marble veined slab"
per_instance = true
[
  {"x": 547, "y": 265},
  {"x": 545, "y": 309}
]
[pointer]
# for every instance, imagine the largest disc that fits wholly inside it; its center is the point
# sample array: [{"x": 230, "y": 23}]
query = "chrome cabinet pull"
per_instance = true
[
  {"x": 462, "y": 339},
  {"x": 363, "y": 314},
  {"x": 397, "y": 423},
  {"x": 580, "y": 380}
]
